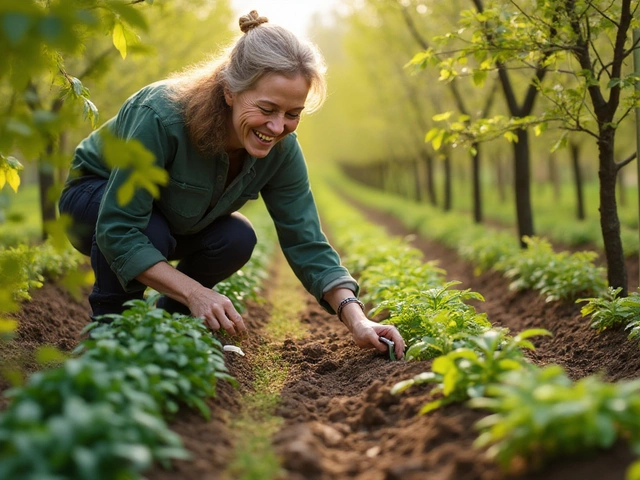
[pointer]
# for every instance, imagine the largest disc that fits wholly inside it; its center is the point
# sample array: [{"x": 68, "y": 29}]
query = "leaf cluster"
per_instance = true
[
  {"x": 172, "y": 358},
  {"x": 100, "y": 415},
  {"x": 556, "y": 275},
  {"x": 610, "y": 311},
  {"x": 436, "y": 321},
  {"x": 35, "y": 38},
  {"x": 467, "y": 372},
  {"x": 26, "y": 267},
  {"x": 541, "y": 413},
  {"x": 83, "y": 420}
]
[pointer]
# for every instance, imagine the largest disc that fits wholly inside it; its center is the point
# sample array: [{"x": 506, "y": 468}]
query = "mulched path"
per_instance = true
[{"x": 340, "y": 420}]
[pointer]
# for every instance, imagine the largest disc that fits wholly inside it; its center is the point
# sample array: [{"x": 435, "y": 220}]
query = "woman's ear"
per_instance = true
[{"x": 228, "y": 96}]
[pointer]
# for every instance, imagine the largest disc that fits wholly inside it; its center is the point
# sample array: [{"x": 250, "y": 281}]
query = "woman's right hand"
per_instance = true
[{"x": 216, "y": 310}]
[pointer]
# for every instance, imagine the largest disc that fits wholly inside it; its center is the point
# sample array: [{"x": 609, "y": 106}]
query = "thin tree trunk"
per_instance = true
[
  {"x": 477, "y": 187},
  {"x": 46, "y": 181},
  {"x": 622, "y": 191},
  {"x": 522, "y": 183},
  {"x": 416, "y": 178},
  {"x": 609, "y": 220},
  {"x": 447, "y": 183},
  {"x": 554, "y": 177},
  {"x": 429, "y": 178},
  {"x": 577, "y": 180},
  {"x": 500, "y": 180}
]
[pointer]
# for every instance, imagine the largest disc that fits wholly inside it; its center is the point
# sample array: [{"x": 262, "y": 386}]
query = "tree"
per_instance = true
[{"x": 585, "y": 45}]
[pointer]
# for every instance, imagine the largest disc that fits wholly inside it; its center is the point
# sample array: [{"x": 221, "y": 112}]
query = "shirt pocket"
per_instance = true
[{"x": 181, "y": 200}]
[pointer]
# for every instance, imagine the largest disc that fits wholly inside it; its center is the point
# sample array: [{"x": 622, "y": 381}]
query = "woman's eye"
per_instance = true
[
  {"x": 293, "y": 116},
  {"x": 265, "y": 110}
]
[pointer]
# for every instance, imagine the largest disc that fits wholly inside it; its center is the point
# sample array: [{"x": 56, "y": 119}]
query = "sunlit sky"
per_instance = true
[{"x": 295, "y": 15}]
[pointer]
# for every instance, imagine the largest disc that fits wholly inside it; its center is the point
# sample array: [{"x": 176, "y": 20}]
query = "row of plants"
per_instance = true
[
  {"x": 554, "y": 209},
  {"x": 537, "y": 413},
  {"x": 610, "y": 311},
  {"x": 26, "y": 267},
  {"x": 101, "y": 413},
  {"x": 556, "y": 275}
]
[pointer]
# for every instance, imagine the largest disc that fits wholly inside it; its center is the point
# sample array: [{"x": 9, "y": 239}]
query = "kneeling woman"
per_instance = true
[{"x": 224, "y": 133}]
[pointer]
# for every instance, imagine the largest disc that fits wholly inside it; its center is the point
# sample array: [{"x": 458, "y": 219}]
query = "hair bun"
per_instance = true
[{"x": 251, "y": 21}]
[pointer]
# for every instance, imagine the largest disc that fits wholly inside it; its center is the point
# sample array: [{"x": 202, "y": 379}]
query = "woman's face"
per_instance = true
[{"x": 264, "y": 115}]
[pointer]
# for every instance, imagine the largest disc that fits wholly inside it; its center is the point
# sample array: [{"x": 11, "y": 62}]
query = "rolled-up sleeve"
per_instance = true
[{"x": 290, "y": 203}]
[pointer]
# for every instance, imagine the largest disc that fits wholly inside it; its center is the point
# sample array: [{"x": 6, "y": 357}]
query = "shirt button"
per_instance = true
[{"x": 220, "y": 178}]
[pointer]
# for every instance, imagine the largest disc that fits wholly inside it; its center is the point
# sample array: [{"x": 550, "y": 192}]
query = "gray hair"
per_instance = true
[
  {"x": 262, "y": 49},
  {"x": 266, "y": 48}
]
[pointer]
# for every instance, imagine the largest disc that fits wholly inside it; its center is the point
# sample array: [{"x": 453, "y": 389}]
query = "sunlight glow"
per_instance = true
[{"x": 294, "y": 15}]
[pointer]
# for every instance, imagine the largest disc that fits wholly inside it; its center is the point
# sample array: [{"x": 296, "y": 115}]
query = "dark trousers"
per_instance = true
[{"x": 209, "y": 256}]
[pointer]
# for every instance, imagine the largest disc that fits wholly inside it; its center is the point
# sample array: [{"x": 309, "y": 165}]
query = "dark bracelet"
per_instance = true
[{"x": 347, "y": 301}]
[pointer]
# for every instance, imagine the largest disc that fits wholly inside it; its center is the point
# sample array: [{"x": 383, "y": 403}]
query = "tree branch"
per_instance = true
[{"x": 626, "y": 161}]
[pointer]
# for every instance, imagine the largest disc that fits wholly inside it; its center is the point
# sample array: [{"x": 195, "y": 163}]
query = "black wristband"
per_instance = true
[{"x": 347, "y": 301}]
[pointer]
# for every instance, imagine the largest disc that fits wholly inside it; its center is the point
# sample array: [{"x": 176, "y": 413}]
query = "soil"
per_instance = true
[{"x": 341, "y": 422}]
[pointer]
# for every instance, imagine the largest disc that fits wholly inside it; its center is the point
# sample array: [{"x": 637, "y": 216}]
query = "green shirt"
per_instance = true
[{"x": 195, "y": 195}]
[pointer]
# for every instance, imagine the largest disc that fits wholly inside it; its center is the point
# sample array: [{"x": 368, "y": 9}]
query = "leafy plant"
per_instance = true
[
  {"x": 434, "y": 321},
  {"x": 175, "y": 359},
  {"x": 398, "y": 276},
  {"x": 467, "y": 372},
  {"x": 541, "y": 413},
  {"x": 556, "y": 275},
  {"x": 80, "y": 421},
  {"x": 609, "y": 310}
]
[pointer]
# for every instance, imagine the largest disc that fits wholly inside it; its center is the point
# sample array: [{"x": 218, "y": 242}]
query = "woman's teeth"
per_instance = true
[{"x": 263, "y": 137}]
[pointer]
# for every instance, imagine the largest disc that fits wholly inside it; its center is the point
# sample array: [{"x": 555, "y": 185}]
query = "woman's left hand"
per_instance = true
[{"x": 366, "y": 334}]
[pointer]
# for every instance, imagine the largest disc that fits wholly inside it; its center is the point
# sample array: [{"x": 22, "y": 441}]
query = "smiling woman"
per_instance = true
[
  {"x": 213, "y": 129},
  {"x": 263, "y": 116}
]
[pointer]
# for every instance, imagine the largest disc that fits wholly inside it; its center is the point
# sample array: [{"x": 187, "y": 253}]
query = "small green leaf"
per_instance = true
[
  {"x": 512, "y": 137},
  {"x": 49, "y": 354},
  {"x": 442, "y": 116}
]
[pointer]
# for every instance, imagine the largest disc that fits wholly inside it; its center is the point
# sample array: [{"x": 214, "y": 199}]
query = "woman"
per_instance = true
[{"x": 224, "y": 133}]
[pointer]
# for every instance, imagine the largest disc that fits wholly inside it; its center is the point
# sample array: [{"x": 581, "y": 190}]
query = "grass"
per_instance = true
[{"x": 254, "y": 458}]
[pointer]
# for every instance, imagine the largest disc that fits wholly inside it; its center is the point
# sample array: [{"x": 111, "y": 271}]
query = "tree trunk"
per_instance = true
[
  {"x": 429, "y": 178},
  {"x": 47, "y": 207},
  {"x": 622, "y": 191},
  {"x": 522, "y": 183},
  {"x": 446, "y": 206},
  {"x": 500, "y": 180},
  {"x": 416, "y": 178},
  {"x": 577, "y": 180},
  {"x": 477, "y": 187},
  {"x": 609, "y": 221},
  {"x": 554, "y": 177}
]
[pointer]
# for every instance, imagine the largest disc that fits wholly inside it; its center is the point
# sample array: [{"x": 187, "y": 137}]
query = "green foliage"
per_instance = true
[
  {"x": 400, "y": 274},
  {"x": 541, "y": 413},
  {"x": 132, "y": 155},
  {"x": 610, "y": 311},
  {"x": 25, "y": 267},
  {"x": 35, "y": 38},
  {"x": 9, "y": 168},
  {"x": 467, "y": 372},
  {"x": 174, "y": 359},
  {"x": 82, "y": 420},
  {"x": 487, "y": 250},
  {"x": 556, "y": 275},
  {"x": 435, "y": 322}
]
